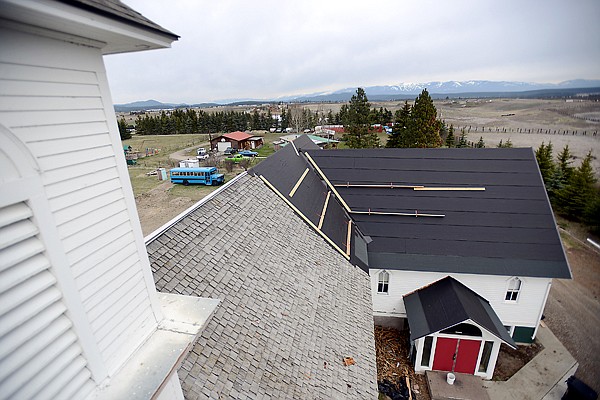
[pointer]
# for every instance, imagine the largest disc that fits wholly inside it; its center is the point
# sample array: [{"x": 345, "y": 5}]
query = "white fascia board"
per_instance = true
[
  {"x": 149, "y": 369},
  {"x": 110, "y": 35}
]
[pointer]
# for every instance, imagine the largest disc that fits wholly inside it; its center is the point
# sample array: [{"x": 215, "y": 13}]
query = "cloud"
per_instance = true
[{"x": 264, "y": 49}]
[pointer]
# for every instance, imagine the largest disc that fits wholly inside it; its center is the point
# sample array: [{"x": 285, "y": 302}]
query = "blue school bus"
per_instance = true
[{"x": 201, "y": 176}]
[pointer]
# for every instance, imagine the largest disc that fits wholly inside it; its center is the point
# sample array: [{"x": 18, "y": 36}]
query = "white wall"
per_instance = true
[
  {"x": 54, "y": 97},
  {"x": 526, "y": 311}
]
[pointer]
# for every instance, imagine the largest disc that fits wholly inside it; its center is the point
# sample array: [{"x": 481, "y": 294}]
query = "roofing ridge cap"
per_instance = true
[{"x": 156, "y": 233}]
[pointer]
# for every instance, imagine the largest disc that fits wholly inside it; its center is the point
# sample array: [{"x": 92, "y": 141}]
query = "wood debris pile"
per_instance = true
[{"x": 393, "y": 363}]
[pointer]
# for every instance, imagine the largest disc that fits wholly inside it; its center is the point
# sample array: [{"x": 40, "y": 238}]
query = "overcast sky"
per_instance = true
[{"x": 265, "y": 49}]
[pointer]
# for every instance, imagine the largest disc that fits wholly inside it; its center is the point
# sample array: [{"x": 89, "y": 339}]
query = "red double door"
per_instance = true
[{"x": 456, "y": 355}]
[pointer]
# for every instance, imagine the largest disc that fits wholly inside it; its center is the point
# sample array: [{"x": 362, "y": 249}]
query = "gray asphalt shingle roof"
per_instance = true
[
  {"x": 290, "y": 302},
  {"x": 120, "y": 11}
]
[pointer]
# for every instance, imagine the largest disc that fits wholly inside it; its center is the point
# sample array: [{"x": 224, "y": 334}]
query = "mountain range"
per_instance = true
[{"x": 405, "y": 91}]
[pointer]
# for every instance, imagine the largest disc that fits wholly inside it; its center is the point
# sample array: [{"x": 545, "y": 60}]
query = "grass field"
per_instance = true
[{"x": 166, "y": 144}]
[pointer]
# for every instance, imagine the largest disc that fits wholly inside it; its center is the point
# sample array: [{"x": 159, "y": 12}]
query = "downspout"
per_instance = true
[{"x": 537, "y": 325}]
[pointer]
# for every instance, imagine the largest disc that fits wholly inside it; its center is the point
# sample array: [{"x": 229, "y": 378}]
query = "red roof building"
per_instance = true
[{"x": 236, "y": 140}]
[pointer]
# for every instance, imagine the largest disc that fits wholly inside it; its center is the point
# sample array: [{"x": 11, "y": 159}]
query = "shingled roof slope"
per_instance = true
[
  {"x": 117, "y": 10},
  {"x": 291, "y": 308},
  {"x": 506, "y": 229}
]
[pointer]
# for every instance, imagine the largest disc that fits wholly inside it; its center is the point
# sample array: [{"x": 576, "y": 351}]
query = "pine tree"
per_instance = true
[
  {"x": 330, "y": 118},
  {"x": 462, "y": 140},
  {"x": 443, "y": 131},
  {"x": 356, "y": 125},
  {"x": 579, "y": 193},
  {"x": 424, "y": 128},
  {"x": 402, "y": 120},
  {"x": 545, "y": 162},
  {"x": 480, "y": 144},
  {"x": 123, "y": 129},
  {"x": 565, "y": 159},
  {"x": 591, "y": 215},
  {"x": 450, "y": 139}
]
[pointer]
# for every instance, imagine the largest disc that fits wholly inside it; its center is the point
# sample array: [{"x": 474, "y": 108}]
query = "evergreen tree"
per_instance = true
[
  {"x": 255, "y": 121},
  {"x": 462, "y": 140},
  {"x": 591, "y": 214},
  {"x": 342, "y": 115},
  {"x": 443, "y": 131},
  {"x": 417, "y": 126},
  {"x": 330, "y": 118},
  {"x": 565, "y": 159},
  {"x": 356, "y": 125},
  {"x": 578, "y": 195},
  {"x": 424, "y": 128},
  {"x": 506, "y": 145},
  {"x": 285, "y": 119},
  {"x": 450, "y": 140},
  {"x": 123, "y": 129},
  {"x": 402, "y": 120},
  {"x": 545, "y": 162},
  {"x": 480, "y": 144}
]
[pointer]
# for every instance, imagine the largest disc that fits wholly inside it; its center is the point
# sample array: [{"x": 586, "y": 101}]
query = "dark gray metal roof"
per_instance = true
[
  {"x": 289, "y": 302},
  {"x": 447, "y": 303},
  {"x": 507, "y": 229},
  {"x": 117, "y": 10}
]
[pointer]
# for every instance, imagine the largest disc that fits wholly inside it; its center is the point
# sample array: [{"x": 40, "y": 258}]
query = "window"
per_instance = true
[
  {"x": 426, "y": 351},
  {"x": 514, "y": 286},
  {"x": 485, "y": 356},
  {"x": 384, "y": 282},
  {"x": 463, "y": 329}
]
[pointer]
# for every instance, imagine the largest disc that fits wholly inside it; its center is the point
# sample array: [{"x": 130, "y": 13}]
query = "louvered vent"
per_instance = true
[{"x": 39, "y": 353}]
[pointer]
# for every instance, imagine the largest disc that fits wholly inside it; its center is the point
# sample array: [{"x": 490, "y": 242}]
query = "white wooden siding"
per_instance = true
[
  {"x": 524, "y": 312},
  {"x": 40, "y": 355},
  {"x": 54, "y": 97}
]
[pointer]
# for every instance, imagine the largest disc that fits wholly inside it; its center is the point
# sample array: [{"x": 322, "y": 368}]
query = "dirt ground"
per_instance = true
[
  {"x": 573, "y": 310},
  {"x": 157, "y": 207},
  {"x": 510, "y": 361}
]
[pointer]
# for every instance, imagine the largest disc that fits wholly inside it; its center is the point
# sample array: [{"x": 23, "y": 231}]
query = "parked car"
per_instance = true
[
  {"x": 248, "y": 153},
  {"x": 236, "y": 158},
  {"x": 229, "y": 151}
]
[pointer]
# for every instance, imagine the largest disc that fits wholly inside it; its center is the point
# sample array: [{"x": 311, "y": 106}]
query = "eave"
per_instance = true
[{"x": 82, "y": 26}]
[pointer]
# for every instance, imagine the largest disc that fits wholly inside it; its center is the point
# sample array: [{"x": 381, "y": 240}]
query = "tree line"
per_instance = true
[
  {"x": 192, "y": 121},
  {"x": 572, "y": 190}
]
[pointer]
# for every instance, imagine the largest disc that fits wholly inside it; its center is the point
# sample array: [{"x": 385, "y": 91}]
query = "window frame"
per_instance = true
[
  {"x": 513, "y": 291},
  {"x": 383, "y": 282}
]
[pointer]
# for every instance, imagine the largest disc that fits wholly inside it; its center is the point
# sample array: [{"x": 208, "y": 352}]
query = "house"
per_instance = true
[
  {"x": 468, "y": 227},
  {"x": 293, "y": 302},
  {"x": 236, "y": 140},
  {"x": 80, "y": 312}
]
